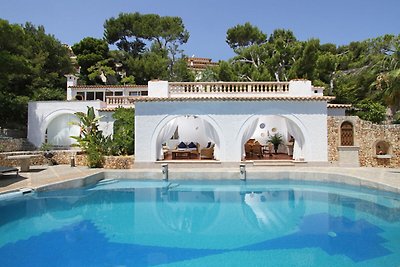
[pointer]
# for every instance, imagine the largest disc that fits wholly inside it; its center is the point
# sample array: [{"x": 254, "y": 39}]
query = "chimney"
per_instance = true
[{"x": 72, "y": 80}]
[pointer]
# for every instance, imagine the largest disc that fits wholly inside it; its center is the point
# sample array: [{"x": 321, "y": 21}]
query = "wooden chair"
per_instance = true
[
  {"x": 248, "y": 149},
  {"x": 195, "y": 153},
  {"x": 257, "y": 150},
  {"x": 207, "y": 153}
]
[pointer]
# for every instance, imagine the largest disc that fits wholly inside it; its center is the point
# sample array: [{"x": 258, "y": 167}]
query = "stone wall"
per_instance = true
[
  {"x": 15, "y": 144},
  {"x": 60, "y": 157},
  {"x": 118, "y": 162},
  {"x": 366, "y": 136},
  {"x": 64, "y": 157}
]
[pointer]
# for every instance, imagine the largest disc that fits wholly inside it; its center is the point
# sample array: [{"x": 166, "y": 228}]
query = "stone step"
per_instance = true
[{"x": 273, "y": 163}]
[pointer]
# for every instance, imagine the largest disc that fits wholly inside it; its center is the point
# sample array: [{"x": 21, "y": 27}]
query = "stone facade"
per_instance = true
[
  {"x": 366, "y": 136},
  {"x": 15, "y": 144},
  {"x": 118, "y": 162},
  {"x": 60, "y": 157}
]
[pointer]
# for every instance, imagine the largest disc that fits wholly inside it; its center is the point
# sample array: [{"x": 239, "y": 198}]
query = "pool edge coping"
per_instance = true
[{"x": 295, "y": 175}]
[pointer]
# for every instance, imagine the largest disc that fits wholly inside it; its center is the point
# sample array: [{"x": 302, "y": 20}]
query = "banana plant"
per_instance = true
[{"x": 91, "y": 139}]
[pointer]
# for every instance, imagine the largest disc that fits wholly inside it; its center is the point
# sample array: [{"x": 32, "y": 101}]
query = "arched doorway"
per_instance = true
[
  {"x": 181, "y": 133},
  {"x": 263, "y": 129},
  {"x": 60, "y": 129}
]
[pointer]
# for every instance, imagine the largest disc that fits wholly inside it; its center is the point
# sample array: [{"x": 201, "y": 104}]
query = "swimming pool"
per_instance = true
[{"x": 202, "y": 223}]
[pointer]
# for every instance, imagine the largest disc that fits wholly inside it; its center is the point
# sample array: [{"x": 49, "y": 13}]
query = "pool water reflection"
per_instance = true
[{"x": 202, "y": 223}]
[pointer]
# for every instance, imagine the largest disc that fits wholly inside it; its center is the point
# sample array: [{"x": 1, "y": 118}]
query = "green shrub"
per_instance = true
[
  {"x": 371, "y": 111},
  {"x": 95, "y": 156},
  {"x": 91, "y": 139},
  {"x": 46, "y": 147},
  {"x": 96, "y": 145},
  {"x": 396, "y": 118},
  {"x": 123, "y": 142}
]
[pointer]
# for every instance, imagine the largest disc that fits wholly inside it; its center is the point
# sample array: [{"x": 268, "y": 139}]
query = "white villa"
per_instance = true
[{"x": 221, "y": 115}]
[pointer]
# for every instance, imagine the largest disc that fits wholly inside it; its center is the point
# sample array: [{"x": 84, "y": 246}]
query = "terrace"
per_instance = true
[{"x": 125, "y": 96}]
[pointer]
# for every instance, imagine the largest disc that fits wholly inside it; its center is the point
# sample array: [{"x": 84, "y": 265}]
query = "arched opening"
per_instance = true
[
  {"x": 60, "y": 130},
  {"x": 346, "y": 134},
  {"x": 188, "y": 137},
  {"x": 272, "y": 137}
]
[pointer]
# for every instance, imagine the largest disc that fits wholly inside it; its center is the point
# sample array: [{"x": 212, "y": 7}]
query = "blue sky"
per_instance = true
[{"x": 207, "y": 21}]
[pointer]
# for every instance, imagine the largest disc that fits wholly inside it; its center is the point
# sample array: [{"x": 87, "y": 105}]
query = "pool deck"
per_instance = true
[{"x": 63, "y": 176}]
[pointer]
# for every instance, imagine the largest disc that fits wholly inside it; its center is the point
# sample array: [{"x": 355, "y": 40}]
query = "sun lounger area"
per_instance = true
[{"x": 4, "y": 170}]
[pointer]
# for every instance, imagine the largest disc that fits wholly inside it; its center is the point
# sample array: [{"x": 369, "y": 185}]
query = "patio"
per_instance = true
[{"x": 279, "y": 156}]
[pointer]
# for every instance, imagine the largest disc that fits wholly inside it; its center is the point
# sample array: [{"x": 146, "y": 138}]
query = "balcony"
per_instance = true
[
  {"x": 211, "y": 89},
  {"x": 164, "y": 89},
  {"x": 124, "y": 101}
]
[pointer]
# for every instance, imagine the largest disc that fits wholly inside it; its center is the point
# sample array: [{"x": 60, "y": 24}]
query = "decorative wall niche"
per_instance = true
[{"x": 382, "y": 149}]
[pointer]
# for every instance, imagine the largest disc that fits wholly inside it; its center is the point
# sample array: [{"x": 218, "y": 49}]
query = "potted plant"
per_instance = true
[{"x": 276, "y": 140}]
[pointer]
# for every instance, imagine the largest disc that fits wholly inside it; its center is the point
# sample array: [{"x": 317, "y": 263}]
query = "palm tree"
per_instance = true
[{"x": 389, "y": 84}]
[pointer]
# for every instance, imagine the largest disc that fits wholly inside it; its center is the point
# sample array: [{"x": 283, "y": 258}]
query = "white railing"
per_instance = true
[
  {"x": 120, "y": 100},
  {"x": 228, "y": 87}
]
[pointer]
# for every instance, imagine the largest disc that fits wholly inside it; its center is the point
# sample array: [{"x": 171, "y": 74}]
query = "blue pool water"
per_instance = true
[{"x": 202, "y": 223}]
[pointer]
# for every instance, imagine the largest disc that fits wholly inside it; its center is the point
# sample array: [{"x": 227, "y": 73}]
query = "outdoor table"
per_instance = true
[{"x": 24, "y": 161}]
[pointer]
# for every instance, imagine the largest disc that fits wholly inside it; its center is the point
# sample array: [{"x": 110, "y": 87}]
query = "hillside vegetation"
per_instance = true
[{"x": 33, "y": 63}]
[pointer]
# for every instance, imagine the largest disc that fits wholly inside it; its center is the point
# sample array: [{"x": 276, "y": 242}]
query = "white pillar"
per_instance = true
[
  {"x": 158, "y": 88},
  {"x": 300, "y": 88}
]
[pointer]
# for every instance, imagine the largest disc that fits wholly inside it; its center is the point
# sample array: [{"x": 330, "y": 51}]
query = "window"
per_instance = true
[
  {"x": 118, "y": 93},
  {"x": 134, "y": 93},
  {"x": 89, "y": 95},
  {"x": 346, "y": 134},
  {"x": 144, "y": 93},
  {"x": 100, "y": 96}
]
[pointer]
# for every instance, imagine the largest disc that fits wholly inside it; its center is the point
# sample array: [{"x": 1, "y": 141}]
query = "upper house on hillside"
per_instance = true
[{"x": 199, "y": 64}]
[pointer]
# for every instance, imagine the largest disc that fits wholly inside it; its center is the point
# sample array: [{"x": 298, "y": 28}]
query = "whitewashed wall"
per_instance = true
[
  {"x": 43, "y": 114},
  {"x": 230, "y": 120},
  {"x": 336, "y": 112},
  {"x": 191, "y": 129},
  {"x": 272, "y": 125},
  {"x": 61, "y": 128},
  {"x": 106, "y": 123}
]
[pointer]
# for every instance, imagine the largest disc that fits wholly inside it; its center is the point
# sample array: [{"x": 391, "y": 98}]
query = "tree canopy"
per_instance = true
[
  {"x": 244, "y": 35},
  {"x": 131, "y": 31},
  {"x": 149, "y": 48},
  {"x": 33, "y": 65},
  {"x": 90, "y": 52},
  {"x": 361, "y": 72}
]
